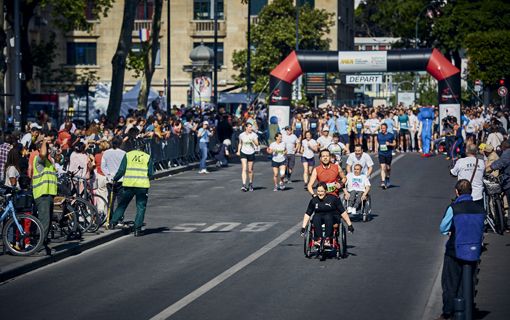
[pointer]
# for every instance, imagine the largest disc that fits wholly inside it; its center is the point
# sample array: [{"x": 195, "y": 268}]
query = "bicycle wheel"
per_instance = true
[
  {"x": 86, "y": 213},
  {"x": 102, "y": 205},
  {"x": 69, "y": 225},
  {"x": 26, "y": 241},
  {"x": 343, "y": 245},
  {"x": 499, "y": 217}
]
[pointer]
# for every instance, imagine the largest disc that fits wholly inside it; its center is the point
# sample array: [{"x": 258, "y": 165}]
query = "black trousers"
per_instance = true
[
  {"x": 451, "y": 282},
  {"x": 318, "y": 220}
]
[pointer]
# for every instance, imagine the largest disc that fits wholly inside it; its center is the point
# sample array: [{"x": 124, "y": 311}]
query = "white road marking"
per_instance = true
[
  {"x": 197, "y": 293},
  {"x": 172, "y": 309},
  {"x": 227, "y": 226},
  {"x": 258, "y": 226}
]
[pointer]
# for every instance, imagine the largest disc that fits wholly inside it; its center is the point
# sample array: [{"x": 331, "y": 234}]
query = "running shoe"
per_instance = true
[
  {"x": 327, "y": 242},
  {"x": 282, "y": 186},
  {"x": 243, "y": 188},
  {"x": 275, "y": 188},
  {"x": 387, "y": 182},
  {"x": 383, "y": 185},
  {"x": 251, "y": 187}
]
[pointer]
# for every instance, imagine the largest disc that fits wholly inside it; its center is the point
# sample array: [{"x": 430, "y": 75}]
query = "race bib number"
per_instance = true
[
  {"x": 313, "y": 125},
  {"x": 383, "y": 147},
  {"x": 331, "y": 186},
  {"x": 359, "y": 125}
]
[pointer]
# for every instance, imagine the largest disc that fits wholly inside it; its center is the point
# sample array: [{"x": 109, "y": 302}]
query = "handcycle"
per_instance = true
[
  {"x": 338, "y": 246},
  {"x": 493, "y": 202},
  {"x": 22, "y": 234}
]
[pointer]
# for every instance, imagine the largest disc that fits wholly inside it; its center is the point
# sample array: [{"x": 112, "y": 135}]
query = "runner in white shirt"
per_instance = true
[
  {"x": 413, "y": 128},
  {"x": 371, "y": 129},
  {"x": 293, "y": 144},
  {"x": 325, "y": 139},
  {"x": 356, "y": 190},
  {"x": 278, "y": 149},
  {"x": 337, "y": 149},
  {"x": 361, "y": 158},
  {"x": 248, "y": 142},
  {"x": 308, "y": 148}
]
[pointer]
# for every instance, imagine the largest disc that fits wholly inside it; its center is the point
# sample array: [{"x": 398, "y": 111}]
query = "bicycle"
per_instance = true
[
  {"x": 22, "y": 234},
  {"x": 493, "y": 202}
]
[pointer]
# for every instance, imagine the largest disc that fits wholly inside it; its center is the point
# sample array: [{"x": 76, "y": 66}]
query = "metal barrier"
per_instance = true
[{"x": 175, "y": 150}]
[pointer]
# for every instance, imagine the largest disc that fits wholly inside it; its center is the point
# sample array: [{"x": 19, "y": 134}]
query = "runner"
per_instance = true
[
  {"x": 403, "y": 121},
  {"x": 329, "y": 173},
  {"x": 292, "y": 142},
  {"x": 342, "y": 125},
  {"x": 371, "y": 128},
  {"x": 278, "y": 149},
  {"x": 248, "y": 141},
  {"x": 325, "y": 139},
  {"x": 308, "y": 147},
  {"x": 361, "y": 158},
  {"x": 386, "y": 142},
  {"x": 337, "y": 149}
]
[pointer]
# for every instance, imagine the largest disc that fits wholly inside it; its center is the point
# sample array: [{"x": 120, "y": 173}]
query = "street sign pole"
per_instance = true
[{"x": 16, "y": 113}]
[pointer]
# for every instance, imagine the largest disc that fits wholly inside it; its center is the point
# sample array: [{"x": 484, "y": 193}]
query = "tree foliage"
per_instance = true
[
  {"x": 70, "y": 14},
  {"x": 273, "y": 38}
]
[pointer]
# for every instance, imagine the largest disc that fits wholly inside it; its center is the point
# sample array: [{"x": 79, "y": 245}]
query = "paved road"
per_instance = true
[{"x": 390, "y": 273}]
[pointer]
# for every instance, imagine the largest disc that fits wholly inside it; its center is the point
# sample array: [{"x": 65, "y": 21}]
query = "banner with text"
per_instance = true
[
  {"x": 362, "y": 61},
  {"x": 364, "y": 79}
]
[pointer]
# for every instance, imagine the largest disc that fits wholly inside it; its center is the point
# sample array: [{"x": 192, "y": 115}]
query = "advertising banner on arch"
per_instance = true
[
  {"x": 282, "y": 113},
  {"x": 445, "y": 110},
  {"x": 362, "y": 61}
]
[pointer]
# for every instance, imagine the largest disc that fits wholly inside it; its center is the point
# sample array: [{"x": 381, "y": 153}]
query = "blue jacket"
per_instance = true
[{"x": 464, "y": 219}]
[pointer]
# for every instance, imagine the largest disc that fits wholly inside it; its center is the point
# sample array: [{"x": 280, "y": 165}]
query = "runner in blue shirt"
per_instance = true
[
  {"x": 342, "y": 126},
  {"x": 386, "y": 143}
]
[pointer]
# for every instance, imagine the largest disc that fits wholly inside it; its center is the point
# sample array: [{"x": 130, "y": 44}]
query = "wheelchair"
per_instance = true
[
  {"x": 364, "y": 210},
  {"x": 338, "y": 246}
]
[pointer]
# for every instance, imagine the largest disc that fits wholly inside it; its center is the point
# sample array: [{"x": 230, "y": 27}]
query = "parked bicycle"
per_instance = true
[
  {"x": 493, "y": 201},
  {"x": 22, "y": 233}
]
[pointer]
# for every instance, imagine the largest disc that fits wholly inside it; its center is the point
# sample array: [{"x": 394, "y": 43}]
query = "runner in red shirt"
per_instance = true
[{"x": 329, "y": 173}]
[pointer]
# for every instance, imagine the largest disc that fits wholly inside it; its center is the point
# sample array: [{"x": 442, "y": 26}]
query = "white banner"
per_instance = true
[
  {"x": 362, "y": 61},
  {"x": 202, "y": 90},
  {"x": 282, "y": 113},
  {"x": 406, "y": 98},
  {"x": 446, "y": 110},
  {"x": 363, "y": 79}
]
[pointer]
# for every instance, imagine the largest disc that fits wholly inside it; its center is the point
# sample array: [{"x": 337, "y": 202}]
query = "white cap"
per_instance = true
[
  {"x": 205, "y": 122},
  {"x": 35, "y": 125}
]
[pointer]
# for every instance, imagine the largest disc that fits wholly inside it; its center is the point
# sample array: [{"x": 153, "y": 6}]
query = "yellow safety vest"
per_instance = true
[
  {"x": 137, "y": 170},
  {"x": 45, "y": 182}
]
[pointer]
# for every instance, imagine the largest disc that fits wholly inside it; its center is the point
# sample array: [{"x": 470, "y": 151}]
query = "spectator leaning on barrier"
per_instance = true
[
  {"x": 136, "y": 169},
  {"x": 463, "y": 221}
]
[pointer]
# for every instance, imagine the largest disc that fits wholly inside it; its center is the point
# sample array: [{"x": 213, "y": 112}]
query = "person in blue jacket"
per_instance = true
[{"x": 463, "y": 222}]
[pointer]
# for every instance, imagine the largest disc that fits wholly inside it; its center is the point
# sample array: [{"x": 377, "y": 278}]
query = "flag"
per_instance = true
[{"x": 144, "y": 34}]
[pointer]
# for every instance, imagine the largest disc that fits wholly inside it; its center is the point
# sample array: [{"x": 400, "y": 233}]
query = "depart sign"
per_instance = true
[{"x": 364, "y": 79}]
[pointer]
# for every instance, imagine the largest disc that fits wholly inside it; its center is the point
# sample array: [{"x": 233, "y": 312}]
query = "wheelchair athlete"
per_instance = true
[
  {"x": 325, "y": 209},
  {"x": 356, "y": 190}
]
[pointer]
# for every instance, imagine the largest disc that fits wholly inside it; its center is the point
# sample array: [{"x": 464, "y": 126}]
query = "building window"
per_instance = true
[
  {"x": 81, "y": 53},
  {"x": 136, "y": 48},
  {"x": 203, "y": 9},
  {"x": 211, "y": 45},
  {"x": 145, "y": 10},
  {"x": 256, "y": 6},
  {"x": 368, "y": 48},
  {"x": 311, "y": 3},
  {"x": 382, "y": 47},
  {"x": 89, "y": 10}
]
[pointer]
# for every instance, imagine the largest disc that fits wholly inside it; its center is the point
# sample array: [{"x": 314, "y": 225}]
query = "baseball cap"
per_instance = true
[
  {"x": 325, "y": 128},
  {"x": 34, "y": 125},
  {"x": 205, "y": 122}
]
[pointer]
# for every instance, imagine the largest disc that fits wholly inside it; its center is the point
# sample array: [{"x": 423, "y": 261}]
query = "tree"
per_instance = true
[
  {"x": 273, "y": 38},
  {"x": 67, "y": 14},
  {"x": 149, "y": 56},
  {"x": 119, "y": 59}
]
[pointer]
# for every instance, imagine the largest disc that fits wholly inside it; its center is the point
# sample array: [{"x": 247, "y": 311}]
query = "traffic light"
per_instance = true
[{"x": 502, "y": 82}]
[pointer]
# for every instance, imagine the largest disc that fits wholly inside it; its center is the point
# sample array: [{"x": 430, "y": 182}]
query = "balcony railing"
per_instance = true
[
  {"x": 206, "y": 28},
  {"x": 142, "y": 24}
]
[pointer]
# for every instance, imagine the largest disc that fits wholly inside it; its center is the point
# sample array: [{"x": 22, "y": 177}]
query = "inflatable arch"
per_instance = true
[{"x": 299, "y": 62}]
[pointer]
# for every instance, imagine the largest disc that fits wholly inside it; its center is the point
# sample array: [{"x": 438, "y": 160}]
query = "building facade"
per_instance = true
[{"x": 191, "y": 23}]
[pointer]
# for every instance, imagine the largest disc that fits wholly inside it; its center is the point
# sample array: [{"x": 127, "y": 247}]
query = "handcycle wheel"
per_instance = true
[
  {"x": 343, "y": 239},
  {"x": 339, "y": 245},
  {"x": 308, "y": 241},
  {"x": 367, "y": 209},
  {"x": 23, "y": 243}
]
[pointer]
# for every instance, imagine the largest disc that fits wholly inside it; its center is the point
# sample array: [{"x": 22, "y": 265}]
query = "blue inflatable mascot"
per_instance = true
[{"x": 426, "y": 117}]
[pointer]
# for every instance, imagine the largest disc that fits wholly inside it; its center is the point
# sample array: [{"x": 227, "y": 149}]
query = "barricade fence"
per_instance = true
[{"x": 176, "y": 150}]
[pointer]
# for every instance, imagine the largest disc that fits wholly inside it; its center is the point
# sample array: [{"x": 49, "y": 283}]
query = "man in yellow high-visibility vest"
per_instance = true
[
  {"x": 44, "y": 185},
  {"x": 136, "y": 169}
]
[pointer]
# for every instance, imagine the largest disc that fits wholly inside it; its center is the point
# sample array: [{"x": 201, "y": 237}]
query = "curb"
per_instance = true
[{"x": 22, "y": 267}]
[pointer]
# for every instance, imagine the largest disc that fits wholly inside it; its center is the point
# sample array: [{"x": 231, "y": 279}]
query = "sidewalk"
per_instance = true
[
  {"x": 493, "y": 289},
  {"x": 13, "y": 266}
]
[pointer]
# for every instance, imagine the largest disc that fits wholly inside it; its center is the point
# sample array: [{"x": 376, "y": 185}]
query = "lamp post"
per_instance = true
[
  {"x": 248, "y": 59},
  {"x": 16, "y": 113},
  {"x": 168, "y": 60}
]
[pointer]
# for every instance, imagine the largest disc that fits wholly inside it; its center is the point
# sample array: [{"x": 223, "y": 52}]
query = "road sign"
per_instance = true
[
  {"x": 478, "y": 88},
  {"x": 502, "y": 91}
]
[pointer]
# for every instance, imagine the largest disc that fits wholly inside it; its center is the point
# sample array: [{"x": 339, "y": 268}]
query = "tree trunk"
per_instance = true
[
  {"x": 119, "y": 59},
  {"x": 3, "y": 65},
  {"x": 150, "y": 58}
]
